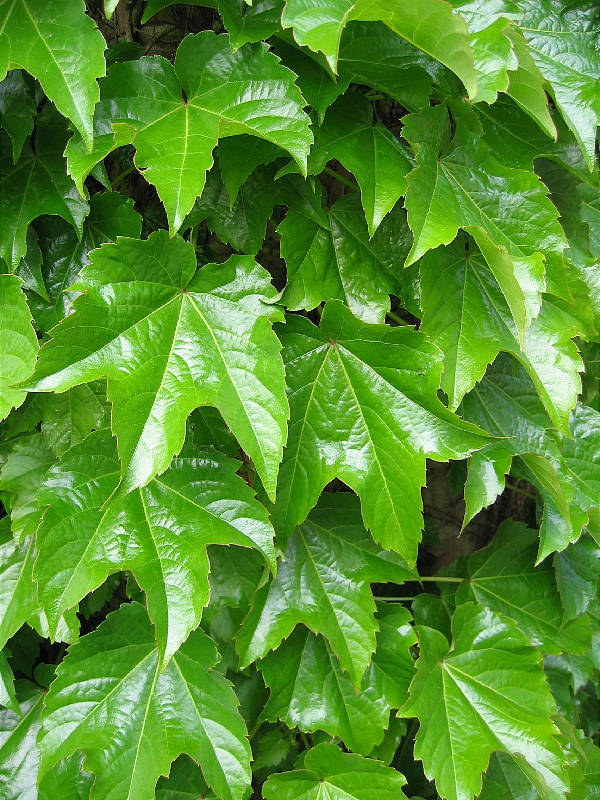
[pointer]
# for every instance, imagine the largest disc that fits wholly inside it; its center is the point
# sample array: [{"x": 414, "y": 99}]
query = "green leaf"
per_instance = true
[
  {"x": 37, "y": 184},
  {"x": 7, "y": 685},
  {"x": 564, "y": 45},
  {"x": 430, "y": 25},
  {"x": 329, "y": 255},
  {"x": 466, "y": 313},
  {"x": 185, "y": 781},
  {"x": 328, "y": 593},
  {"x": 159, "y": 532},
  {"x": 67, "y": 418},
  {"x": 309, "y": 690},
  {"x": 485, "y": 692},
  {"x": 526, "y": 85},
  {"x": 506, "y": 780},
  {"x": 373, "y": 55},
  {"x": 64, "y": 254},
  {"x": 577, "y": 575},
  {"x": 17, "y": 110},
  {"x": 151, "y": 716},
  {"x": 580, "y": 455},
  {"x": 239, "y": 156},
  {"x": 166, "y": 335},
  {"x": 18, "y": 343},
  {"x": 18, "y": 754},
  {"x": 364, "y": 408},
  {"x": 329, "y": 773},
  {"x": 175, "y": 115},
  {"x": 377, "y": 159},
  {"x": 154, "y": 6},
  {"x": 58, "y": 44},
  {"x": 502, "y": 577},
  {"x": 469, "y": 189},
  {"x": 252, "y": 23}
]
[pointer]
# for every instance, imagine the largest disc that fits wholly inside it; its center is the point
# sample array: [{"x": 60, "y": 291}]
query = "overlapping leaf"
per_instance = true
[
  {"x": 159, "y": 532},
  {"x": 169, "y": 340},
  {"x": 18, "y": 343},
  {"x": 149, "y": 715},
  {"x": 364, "y": 408},
  {"x": 324, "y": 582},
  {"x": 175, "y": 115},
  {"x": 328, "y": 772},
  {"x": 484, "y": 692}
]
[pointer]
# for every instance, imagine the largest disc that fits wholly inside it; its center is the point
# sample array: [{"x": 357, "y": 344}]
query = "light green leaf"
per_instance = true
[
  {"x": 18, "y": 343},
  {"x": 329, "y": 593},
  {"x": 250, "y": 23},
  {"x": 19, "y": 757},
  {"x": 175, "y": 115},
  {"x": 502, "y": 576},
  {"x": 328, "y": 255},
  {"x": 170, "y": 333},
  {"x": 484, "y": 692},
  {"x": 581, "y": 455},
  {"x": 151, "y": 716},
  {"x": 310, "y": 691},
  {"x": 430, "y": 25},
  {"x": 329, "y": 773},
  {"x": 67, "y": 418},
  {"x": 159, "y": 532},
  {"x": 467, "y": 315},
  {"x": 505, "y": 210},
  {"x": 44, "y": 35},
  {"x": 526, "y": 85},
  {"x": 364, "y": 408},
  {"x": 564, "y": 45},
  {"x": 37, "y": 184},
  {"x": 577, "y": 575},
  {"x": 377, "y": 159}
]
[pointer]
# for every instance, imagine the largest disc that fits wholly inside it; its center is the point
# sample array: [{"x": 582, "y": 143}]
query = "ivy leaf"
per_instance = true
[
  {"x": 377, "y": 159},
  {"x": 526, "y": 85},
  {"x": 167, "y": 333},
  {"x": 185, "y": 778},
  {"x": 156, "y": 716},
  {"x": 64, "y": 254},
  {"x": 580, "y": 455},
  {"x": 430, "y": 25},
  {"x": 484, "y": 692},
  {"x": 37, "y": 184},
  {"x": 18, "y": 753},
  {"x": 577, "y": 575},
  {"x": 17, "y": 110},
  {"x": 18, "y": 343},
  {"x": 364, "y": 408},
  {"x": 505, "y": 779},
  {"x": 175, "y": 115},
  {"x": 469, "y": 189},
  {"x": 250, "y": 23},
  {"x": 159, "y": 532},
  {"x": 503, "y": 578},
  {"x": 373, "y": 55},
  {"x": 330, "y": 595},
  {"x": 239, "y": 156},
  {"x": 7, "y": 684},
  {"x": 43, "y": 37},
  {"x": 564, "y": 45},
  {"x": 328, "y": 255},
  {"x": 309, "y": 690},
  {"x": 69, "y": 417},
  {"x": 466, "y": 313},
  {"x": 329, "y": 773}
]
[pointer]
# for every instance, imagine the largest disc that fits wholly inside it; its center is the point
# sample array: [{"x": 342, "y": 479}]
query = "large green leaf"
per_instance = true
[
  {"x": 466, "y": 314},
  {"x": 430, "y": 25},
  {"x": 37, "y": 184},
  {"x": 324, "y": 582},
  {"x": 364, "y": 408},
  {"x": 159, "y": 532},
  {"x": 564, "y": 44},
  {"x": 328, "y": 773},
  {"x": 58, "y": 43},
  {"x": 150, "y": 716},
  {"x": 174, "y": 115},
  {"x": 309, "y": 690},
  {"x": 169, "y": 341},
  {"x": 484, "y": 692},
  {"x": 505, "y": 210},
  {"x": 328, "y": 255},
  {"x": 18, "y": 343},
  {"x": 502, "y": 576},
  {"x": 377, "y": 159}
]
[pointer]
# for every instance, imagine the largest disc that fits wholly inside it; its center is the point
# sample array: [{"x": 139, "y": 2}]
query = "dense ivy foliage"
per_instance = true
[{"x": 300, "y": 422}]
